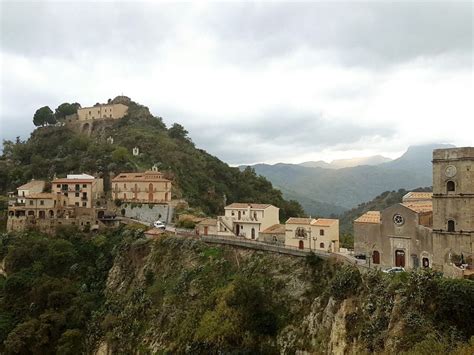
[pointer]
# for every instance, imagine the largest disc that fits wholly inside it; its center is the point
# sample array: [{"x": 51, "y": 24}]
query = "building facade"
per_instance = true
[
  {"x": 247, "y": 219},
  {"x": 146, "y": 187},
  {"x": 453, "y": 206},
  {"x": 81, "y": 190},
  {"x": 426, "y": 230},
  {"x": 273, "y": 235},
  {"x": 106, "y": 111},
  {"x": 313, "y": 234},
  {"x": 32, "y": 187}
]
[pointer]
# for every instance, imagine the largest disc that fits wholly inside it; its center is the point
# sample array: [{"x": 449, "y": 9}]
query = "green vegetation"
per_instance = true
[
  {"x": 72, "y": 293},
  {"x": 44, "y": 116},
  {"x": 202, "y": 179}
]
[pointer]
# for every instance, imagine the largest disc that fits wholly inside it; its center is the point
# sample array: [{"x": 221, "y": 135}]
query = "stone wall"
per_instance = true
[{"x": 147, "y": 212}]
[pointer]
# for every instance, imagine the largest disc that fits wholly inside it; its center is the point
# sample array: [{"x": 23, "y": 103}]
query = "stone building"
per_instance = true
[
  {"x": 314, "y": 234},
  {"x": 146, "y": 187},
  {"x": 426, "y": 230},
  {"x": 247, "y": 219},
  {"x": 106, "y": 111},
  {"x": 207, "y": 226},
  {"x": 453, "y": 206}
]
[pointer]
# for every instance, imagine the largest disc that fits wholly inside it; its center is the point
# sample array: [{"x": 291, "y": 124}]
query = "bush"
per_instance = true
[{"x": 345, "y": 283}]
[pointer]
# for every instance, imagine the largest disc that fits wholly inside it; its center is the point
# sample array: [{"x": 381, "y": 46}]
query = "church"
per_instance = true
[{"x": 426, "y": 230}]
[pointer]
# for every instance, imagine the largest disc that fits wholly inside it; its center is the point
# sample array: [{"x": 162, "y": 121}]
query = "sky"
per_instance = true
[{"x": 252, "y": 81}]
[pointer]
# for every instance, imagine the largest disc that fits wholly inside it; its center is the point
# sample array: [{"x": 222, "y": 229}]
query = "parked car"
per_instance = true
[
  {"x": 394, "y": 270},
  {"x": 159, "y": 225}
]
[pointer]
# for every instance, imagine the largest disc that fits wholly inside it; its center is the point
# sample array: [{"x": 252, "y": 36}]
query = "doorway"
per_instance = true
[
  {"x": 400, "y": 258},
  {"x": 301, "y": 245}
]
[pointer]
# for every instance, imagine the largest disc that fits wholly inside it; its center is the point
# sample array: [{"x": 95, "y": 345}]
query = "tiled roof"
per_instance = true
[
  {"x": 369, "y": 217},
  {"x": 295, "y": 220},
  {"x": 72, "y": 181},
  {"x": 256, "y": 206},
  {"x": 208, "y": 222},
  {"x": 31, "y": 184},
  {"x": 417, "y": 196},
  {"x": 275, "y": 229},
  {"x": 146, "y": 176},
  {"x": 419, "y": 206},
  {"x": 324, "y": 222}
]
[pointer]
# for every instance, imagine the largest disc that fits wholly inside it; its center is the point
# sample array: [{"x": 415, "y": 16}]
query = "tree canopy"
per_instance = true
[
  {"x": 44, "y": 116},
  {"x": 66, "y": 109}
]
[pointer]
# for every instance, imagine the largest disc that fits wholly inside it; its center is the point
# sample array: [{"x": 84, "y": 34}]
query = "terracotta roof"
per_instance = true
[
  {"x": 417, "y": 196},
  {"x": 324, "y": 222},
  {"x": 72, "y": 181},
  {"x": 295, "y": 220},
  {"x": 419, "y": 206},
  {"x": 256, "y": 206},
  {"x": 369, "y": 217},
  {"x": 208, "y": 222},
  {"x": 44, "y": 195},
  {"x": 275, "y": 229},
  {"x": 31, "y": 184},
  {"x": 145, "y": 176}
]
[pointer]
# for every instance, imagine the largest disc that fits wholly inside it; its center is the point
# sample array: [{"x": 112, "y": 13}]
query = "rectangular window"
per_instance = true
[
  {"x": 77, "y": 194},
  {"x": 84, "y": 186},
  {"x": 321, "y": 232},
  {"x": 31, "y": 202},
  {"x": 58, "y": 185},
  {"x": 84, "y": 204},
  {"x": 42, "y": 203},
  {"x": 77, "y": 204},
  {"x": 77, "y": 187}
]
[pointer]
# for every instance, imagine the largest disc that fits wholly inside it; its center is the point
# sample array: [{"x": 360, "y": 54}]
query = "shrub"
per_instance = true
[{"x": 345, "y": 283}]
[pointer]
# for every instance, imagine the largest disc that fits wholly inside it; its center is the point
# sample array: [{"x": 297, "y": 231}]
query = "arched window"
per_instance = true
[
  {"x": 451, "y": 225},
  {"x": 376, "y": 257},
  {"x": 321, "y": 245},
  {"x": 425, "y": 262},
  {"x": 450, "y": 186}
]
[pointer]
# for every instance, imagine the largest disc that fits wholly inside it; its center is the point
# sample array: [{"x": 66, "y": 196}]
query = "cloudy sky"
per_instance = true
[{"x": 252, "y": 81}]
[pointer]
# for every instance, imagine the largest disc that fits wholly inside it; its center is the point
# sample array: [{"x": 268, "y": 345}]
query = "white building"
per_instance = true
[
  {"x": 32, "y": 187},
  {"x": 247, "y": 219},
  {"x": 313, "y": 234}
]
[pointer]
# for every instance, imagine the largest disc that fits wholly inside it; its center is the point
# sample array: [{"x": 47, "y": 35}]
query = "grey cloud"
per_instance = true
[
  {"x": 359, "y": 33},
  {"x": 278, "y": 133}
]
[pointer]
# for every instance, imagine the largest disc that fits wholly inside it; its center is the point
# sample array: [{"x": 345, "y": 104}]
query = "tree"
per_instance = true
[
  {"x": 66, "y": 109},
  {"x": 178, "y": 132},
  {"x": 44, "y": 116}
]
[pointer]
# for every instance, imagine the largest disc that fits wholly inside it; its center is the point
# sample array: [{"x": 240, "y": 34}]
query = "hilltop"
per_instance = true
[{"x": 203, "y": 180}]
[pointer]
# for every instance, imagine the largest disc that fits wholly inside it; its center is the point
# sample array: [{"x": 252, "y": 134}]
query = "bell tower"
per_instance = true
[{"x": 453, "y": 203}]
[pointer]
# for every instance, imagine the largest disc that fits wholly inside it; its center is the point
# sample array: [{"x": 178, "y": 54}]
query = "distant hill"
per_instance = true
[
  {"x": 346, "y": 163},
  {"x": 343, "y": 189},
  {"x": 206, "y": 182}
]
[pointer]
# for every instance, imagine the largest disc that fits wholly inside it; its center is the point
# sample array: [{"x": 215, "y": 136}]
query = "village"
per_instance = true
[{"x": 426, "y": 230}]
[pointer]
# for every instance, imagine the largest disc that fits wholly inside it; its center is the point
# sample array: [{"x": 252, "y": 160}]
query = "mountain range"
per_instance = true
[
  {"x": 325, "y": 191},
  {"x": 346, "y": 163}
]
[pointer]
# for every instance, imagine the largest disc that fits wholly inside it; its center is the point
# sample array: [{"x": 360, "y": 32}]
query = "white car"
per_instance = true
[
  {"x": 394, "y": 270},
  {"x": 159, "y": 225}
]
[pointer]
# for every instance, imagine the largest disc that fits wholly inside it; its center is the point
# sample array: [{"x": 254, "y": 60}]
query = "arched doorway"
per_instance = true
[
  {"x": 150, "y": 192},
  {"x": 400, "y": 258},
  {"x": 42, "y": 214},
  {"x": 51, "y": 214},
  {"x": 376, "y": 257},
  {"x": 450, "y": 186},
  {"x": 237, "y": 229},
  {"x": 253, "y": 233},
  {"x": 206, "y": 230},
  {"x": 301, "y": 245},
  {"x": 85, "y": 128}
]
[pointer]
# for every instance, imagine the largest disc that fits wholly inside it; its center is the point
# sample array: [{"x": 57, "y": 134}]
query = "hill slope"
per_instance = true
[
  {"x": 346, "y": 188},
  {"x": 202, "y": 179}
]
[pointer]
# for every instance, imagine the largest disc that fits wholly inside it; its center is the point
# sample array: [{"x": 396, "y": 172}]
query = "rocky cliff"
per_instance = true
[{"x": 183, "y": 296}]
